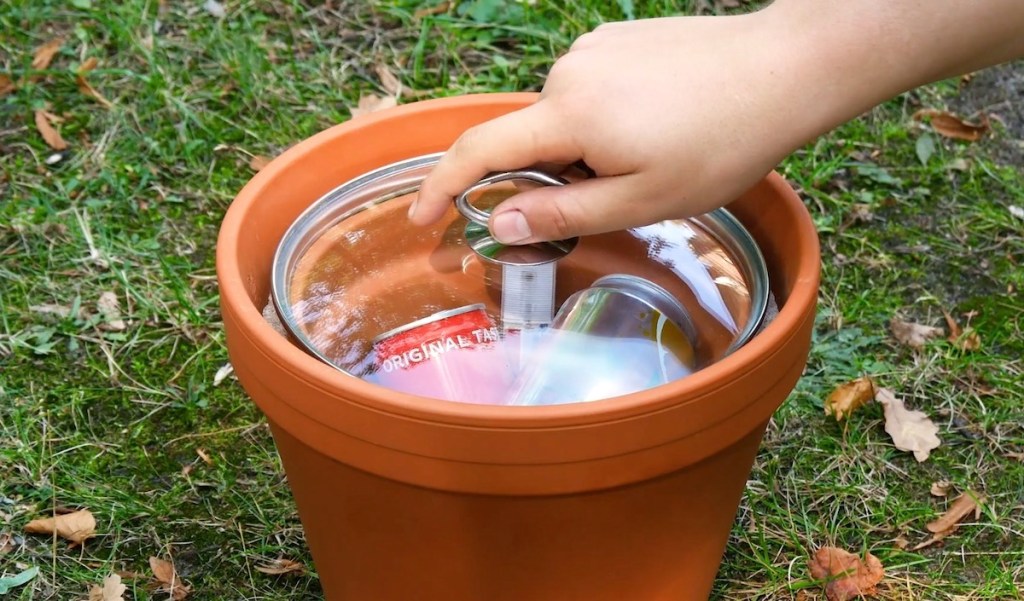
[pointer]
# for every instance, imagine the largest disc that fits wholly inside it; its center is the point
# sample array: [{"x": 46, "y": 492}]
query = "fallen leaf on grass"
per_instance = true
[
  {"x": 940, "y": 488},
  {"x": 949, "y": 125},
  {"x": 388, "y": 80},
  {"x": 77, "y": 526},
  {"x": 6, "y": 546},
  {"x": 44, "y": 54},
  {"x": 968, "y": 341},
  {"x": 910, "y": 430},
  {"x": 964, "y": 505},
  {"x": 948, "y": 522},
  {"x": 912, "y": 334},
  {"x": 847, "y": 575},
  {"x": 110, "y": 309},
  {"x": 6, "y": 85},
  {"x": 431, "y": 10},
  {"x": 258, "y": 162},
  {"x": 112, "y": 590},
  {"x": 85, "y": 87},
  {"x": 371, "y": 103},
  {"x": 204, "y": 456},
  {"x": 44, "y": 123},
  {"x": 9, "y": 583},
  {"x": 848, "y": 397},
  {"x": 168, "y": 578},
  {"x": 281, "y": 566}
]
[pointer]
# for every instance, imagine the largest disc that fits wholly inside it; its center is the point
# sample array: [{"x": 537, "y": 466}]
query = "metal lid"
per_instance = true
[{"x": 352, "y": 267}]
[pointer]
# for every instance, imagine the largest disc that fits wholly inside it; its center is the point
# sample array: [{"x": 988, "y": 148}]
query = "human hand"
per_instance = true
[{"x": 676, "y": 116}]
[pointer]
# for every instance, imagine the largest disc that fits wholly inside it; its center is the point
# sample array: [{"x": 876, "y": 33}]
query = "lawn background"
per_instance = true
[{"x": 133, "y": 424}]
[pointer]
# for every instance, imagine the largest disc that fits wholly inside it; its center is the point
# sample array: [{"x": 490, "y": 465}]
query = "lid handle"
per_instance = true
[{"x": 480, "y": 216}]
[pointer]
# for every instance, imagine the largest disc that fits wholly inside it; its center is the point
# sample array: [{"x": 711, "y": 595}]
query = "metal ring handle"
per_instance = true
[{"x": 482, "y": 217}]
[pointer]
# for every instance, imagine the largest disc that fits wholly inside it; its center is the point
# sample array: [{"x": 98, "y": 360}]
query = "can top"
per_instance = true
[{"x": 351, "y": 269}]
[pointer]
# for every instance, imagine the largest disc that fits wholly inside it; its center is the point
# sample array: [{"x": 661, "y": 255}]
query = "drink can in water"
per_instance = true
[
  {"x": 621, "y": 335},
  {"x": 454, "y": 355}
]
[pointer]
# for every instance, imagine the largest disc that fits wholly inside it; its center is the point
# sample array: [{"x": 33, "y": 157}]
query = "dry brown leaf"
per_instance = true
[
  {"x": 281, "y": 566},
  {"x": 933, "y": 539},
  {"x": 1016, "y": 456},
  {"x": 110, "y": 309},
  {"x": 431, "y": 10},
  {"x": 44, "y": 54},
  {"x": 388, "y": 80},
  {"x": 914, "y": 335},
  {"x": 948, "y": 522},
  {"x": 6, "y": 544},
  {"x": 941, "y": 488},
  {"x": 258, "y": 162},
  {"x": 204, "y": 456},
  {"x": 90, "y": 63},
  {"x": 50, "y": 134},
  {"x": 163, "y": 570},
  {"x": 6, "y": 85},
  {"x": 964, "y": 505},
  {"x": 845, "y": 399},
  {"x": 967, "y": 340},
  {"x": 970, "y": 342},
  {"x": 85, "y": 87},
  {"x": 910, "y": 430},
  {"x": 112, "y": 590},
  {"x": 847, "y": 575},
  {"x": 901, "y": 542},
  {"x": 77, "y": 526},
  {"x": 949, "y": 125},
  {"x": 370, "y": 103},
  {"x": 166, "y": 575}
]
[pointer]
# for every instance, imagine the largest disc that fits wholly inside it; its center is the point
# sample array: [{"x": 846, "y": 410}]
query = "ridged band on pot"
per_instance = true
[{"x": 489, "y": 449}]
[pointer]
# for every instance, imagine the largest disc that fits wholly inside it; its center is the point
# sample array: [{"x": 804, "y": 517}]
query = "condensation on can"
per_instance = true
[{"x": 454, "y": 355}]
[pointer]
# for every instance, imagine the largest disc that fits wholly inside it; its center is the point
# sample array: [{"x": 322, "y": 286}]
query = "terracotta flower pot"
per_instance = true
[{"x": 403, "y": 497}]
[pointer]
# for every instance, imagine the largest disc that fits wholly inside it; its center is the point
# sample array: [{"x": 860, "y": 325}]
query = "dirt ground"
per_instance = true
[{"x": 999, "y": 93}]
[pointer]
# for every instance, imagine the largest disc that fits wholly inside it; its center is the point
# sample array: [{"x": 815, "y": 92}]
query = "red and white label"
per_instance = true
[{"x": 435, "y": 339}]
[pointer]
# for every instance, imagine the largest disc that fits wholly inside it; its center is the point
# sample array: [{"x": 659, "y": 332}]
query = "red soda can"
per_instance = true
[{"x": 454, "y": 355}]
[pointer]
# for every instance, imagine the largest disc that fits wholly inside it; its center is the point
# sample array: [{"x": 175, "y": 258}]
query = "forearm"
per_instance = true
[{"x": 854, "y": 54}]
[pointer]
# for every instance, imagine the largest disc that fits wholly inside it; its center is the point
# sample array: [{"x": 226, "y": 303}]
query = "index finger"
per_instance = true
[{"x": 513, "y": 141}]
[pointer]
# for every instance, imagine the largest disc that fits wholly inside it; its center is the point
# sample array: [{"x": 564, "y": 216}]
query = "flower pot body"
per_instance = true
[{"x": 403, "y": 497}]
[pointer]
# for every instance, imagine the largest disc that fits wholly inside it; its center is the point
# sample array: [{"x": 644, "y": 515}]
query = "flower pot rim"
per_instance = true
[{"x": 351, "y": 389}]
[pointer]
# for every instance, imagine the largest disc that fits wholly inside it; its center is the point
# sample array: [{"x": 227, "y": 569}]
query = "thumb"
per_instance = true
[{"x": 590, "y": 206}]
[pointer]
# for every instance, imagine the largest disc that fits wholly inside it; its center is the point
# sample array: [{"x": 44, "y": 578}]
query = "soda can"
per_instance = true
[
  {"x": 454, "y": 355},
  {"x": 621, "y": 335}
]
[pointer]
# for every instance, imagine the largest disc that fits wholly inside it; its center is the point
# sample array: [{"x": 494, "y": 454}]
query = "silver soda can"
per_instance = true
[
  {"x": 454, "y": 355},
  {"x": 523, "y": 275},
  {"x": 621, "y": 335}
]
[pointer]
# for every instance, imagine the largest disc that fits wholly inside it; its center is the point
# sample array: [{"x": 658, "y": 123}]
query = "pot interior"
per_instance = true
[{"x": 351, "y": 269}]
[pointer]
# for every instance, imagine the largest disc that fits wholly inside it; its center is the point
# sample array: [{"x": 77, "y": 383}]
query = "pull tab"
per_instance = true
[
  {"x": 481, "y": 217},
  {"x": 526, "y": 273}
]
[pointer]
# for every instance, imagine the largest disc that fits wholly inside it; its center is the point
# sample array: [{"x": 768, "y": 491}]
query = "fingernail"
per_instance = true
[
  {"x": 412, "y": 207},
  {"x": 510, "y": 227}
]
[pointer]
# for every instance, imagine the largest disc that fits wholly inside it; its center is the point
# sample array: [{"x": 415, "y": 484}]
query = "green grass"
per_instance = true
[{"x": 113, "y": 419}]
